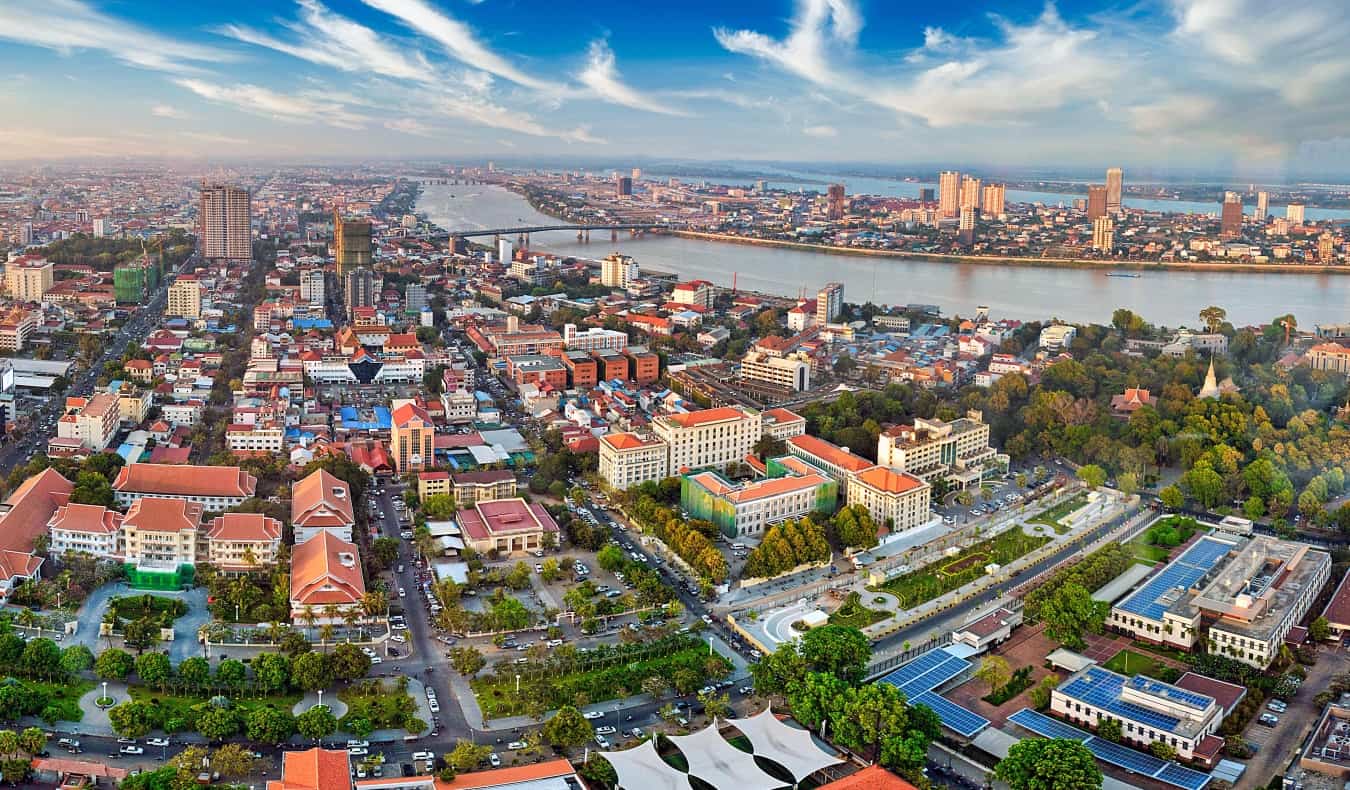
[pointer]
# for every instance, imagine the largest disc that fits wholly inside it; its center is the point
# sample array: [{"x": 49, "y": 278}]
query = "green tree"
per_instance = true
[
  {"x": 272, "y": 671},
  {"x": 467, "y": 755},
  {"x": 567, "y": 728},
  {"x": 994, "y": 672},
  {"x": 269, "y": 725},
  {"x": 1069, "y": 613},
  {"x": 1163, "y": 751},
  {"x": 838, "y": 650},
  {"x": 466, "y": 660},
  {"x": 113, "y": 664},
  {"x": 717, "y": 706},
  {"x": 1110, "y": 730},
  {"x": 42, "y": 659},
  {"x": 1040, "y": 693},
  {"x": 1127, "y": 483},
  {"x": 132, "y": 719},
  {"x": 154, "y": 669},
  {"x": 348, "y": 662},
  {"x": 316, "y": 723},
  {"x": 1319, "y": 629},
  {"x": 217, "y": 723},
  {"x": 1093, "y": 476},
  {"x": 1049, "y": 764},
  {"x": 232, "y": 761},
  {"x": 312, "y": 671},
  {"x": 76, "y": 659},
  {"x": 611, "y": 558},
  {"x": 195, "y": 672},
  {"x": 231, "y": 674},
  {"x": 1213, "y": 318},
  {"x": 1171, "y": 497},
  {"x": 385, "y": 551},
  {"x": 439, "y": 507}
]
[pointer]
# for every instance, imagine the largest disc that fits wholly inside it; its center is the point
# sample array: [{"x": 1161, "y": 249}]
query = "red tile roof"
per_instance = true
[
  {"x": 165, "y": 479},
  {"x": 30, "y": 509},
  {"x": 504, "y": 517},
  {"x": 243, "y": 527},
  {"x": 319, "y": 575},
  {"x": 322, "y": 500},
  {"x": 704, "y": 417},
  {"x": 627, "y": 441},
  {"x": 1228, "y": 695},
  {"x": 501, "y": 777},
  {"x": 873, "y": 777},
  {"x": 829, "y": 453},
  {"x": 163, "y": 515},
  {"x": 86, "y": 519},
  {"x": 314, "y": 769},
  {"x": 889, "y": 481}
]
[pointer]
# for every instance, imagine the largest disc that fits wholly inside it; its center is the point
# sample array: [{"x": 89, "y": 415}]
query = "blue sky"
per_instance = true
[{"x": 1233, "y": 85}]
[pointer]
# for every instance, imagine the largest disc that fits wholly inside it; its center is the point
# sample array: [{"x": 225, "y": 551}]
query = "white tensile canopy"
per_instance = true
[
  {"x": 720, "y": 764},
  {"x": 788, "y": 746},
  {"x": 641, "y": 768}
]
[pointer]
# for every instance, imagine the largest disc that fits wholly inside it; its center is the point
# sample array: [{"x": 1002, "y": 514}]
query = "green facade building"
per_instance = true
[{"x": 792, "y": 489}]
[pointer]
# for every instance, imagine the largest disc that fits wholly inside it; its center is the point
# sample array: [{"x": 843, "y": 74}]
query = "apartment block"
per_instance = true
[
  {"x": 708, "y": 438},
  {"x": 627, "y": 459}
]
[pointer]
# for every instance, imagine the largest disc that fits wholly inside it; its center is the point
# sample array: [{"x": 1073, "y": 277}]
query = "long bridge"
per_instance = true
[{"x": 583, "y": 232}]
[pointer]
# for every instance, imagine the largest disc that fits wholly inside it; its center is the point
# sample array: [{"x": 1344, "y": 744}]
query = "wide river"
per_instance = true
[{"x": 1171, "y": 297}]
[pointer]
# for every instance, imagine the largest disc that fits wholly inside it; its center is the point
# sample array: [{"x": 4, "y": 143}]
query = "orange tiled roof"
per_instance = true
[
  {"x": 243, "y": 527},
  {"x": 500, "y": 777},
  {"x": 318, "y": 575},
  {"x": 30, "y": 508},
  {"x": 694, "y": 419},
  {"x": 163, "y": 515},
  {"x": 173, "y": 479},
  {"x": 836, "y": 456},
  {"x": 873, "y": 777},
  {"x": 322, "y": 500},
  {"x": 314, "y": 769},
  {"x": 86, "y": 518},
  {"x": 627, "y": 441},
  {"x": 889, "y": 480}
]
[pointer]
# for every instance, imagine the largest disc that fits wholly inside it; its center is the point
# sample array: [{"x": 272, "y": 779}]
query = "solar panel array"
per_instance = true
[
  {"x": 1137, "y": 762},
  {"x": 919, "y": 677},
  {"x": 1185, "y": 571},
  {"x": 953, "y": 716},
  {"x": 1160, "y": 689},
  {"x": 1101, "y": 688}
]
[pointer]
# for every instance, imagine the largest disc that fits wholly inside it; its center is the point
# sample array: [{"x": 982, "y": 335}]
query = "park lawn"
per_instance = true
[
  {"x": 1147, "y": 553},
  {"x": 385, "y": 708},
  {"x": 65, "y": 697},
  {"x": 1051, "y": 517},
  {"x": 931, "y": 581},
  {"x": 1130, "y": 663},
  {"x": 175, "y": 706}
]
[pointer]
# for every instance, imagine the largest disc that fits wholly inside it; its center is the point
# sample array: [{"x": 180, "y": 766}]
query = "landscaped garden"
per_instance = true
[
  {"x": 1130, "y": 663},
  {"x": 376, "y": 705},
  {"x": 1052, "y": 517},
  {"x": 854, "y": 614},
  {"x": 948, "y": 574},
  {"x": 575, "y": 677},
  {"x": 157, "y": 609}
]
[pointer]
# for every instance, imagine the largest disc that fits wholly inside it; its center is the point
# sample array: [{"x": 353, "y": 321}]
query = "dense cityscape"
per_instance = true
[{"x": 785, "y": 395}]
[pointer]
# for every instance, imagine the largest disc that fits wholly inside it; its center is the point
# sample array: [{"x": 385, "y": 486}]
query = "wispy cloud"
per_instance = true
[
  {"x": 167, "y": 111},
  {"x": 217, "y": 139},
  {"x": 328, "y": 39},
  {"x": 459, "y": 41},
  {"x": 292, "y": 108},
  {"x": 410, "y": 126},
  {"x": 71, "y": 25},
  {"x": 601, "y": 76},
  {"x": 820, "y": 131}
]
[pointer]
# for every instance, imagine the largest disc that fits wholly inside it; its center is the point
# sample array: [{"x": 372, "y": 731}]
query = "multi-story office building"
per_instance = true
[
  {"x": 789, "y": 373},
  {"x": 16, "y": 326},
  {"x": 238, "y": 542},
  {"x": 86, "y": 529},
  {"x": 695, "y": 292},
  {"x": 314, "y": 286},
  {"x": 358, "y": 289},
  {"x": 1103, "y": 234},
  {"x": 623, "y": 186},
  {"x": 1294, "y": 213},
  {"x": 351, "y": 243},
  {"x": 708, "y": 438},
  {"x": 1096, "y": 202},
  {"x": 412, "y": 439},
  {"x": 829, "y": 303},
  {"x": 1262, "y": 207},
  {"x": 133, "y": 280},
  {"x": 322, "y": 502},
  {"x": 617, "y": 271},
  {"x": 161, "y": 534},
  {"x": 1241, "y": 596},
  {"x": 1328, "y": 356},
  {"x": 1149, "y": 711},
  {"x": 1115, "y": 184},
  {"x": 781, "y": 423},
  {"x": 185, "y": 297},
  {"x": 92, "y": 422},
  {"x": 837, "y": 462},
  {"x": 214, "y": 487},
  {"x": 896, "y": 500},
  {"x": 836, "y": 201},
  {"x": 593, "y": 339},
  {"x": 793, "y": 489},
  {"x": 949, "y": 193},
  {"x": 956, "y": 451},
  {"x": 627, "y": 459},
  {"x": 415, "y": 298},
  {"x": 29, "y": 278},
  {"x": 223, "y": 221}
]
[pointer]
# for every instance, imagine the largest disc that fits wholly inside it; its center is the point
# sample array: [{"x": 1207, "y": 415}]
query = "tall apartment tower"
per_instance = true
[
  {"x": 358, "y": 288},
  {"x": 1103, "y": 234},
  {"x": 223, "y": 222},
  {"x": 829, "y": 303},
  {"x": 991, "y": 200},
  {"x": 1096, "y": 202},
  {"x": 623, "y": 186},
  {"x": 351, "y": 243},
  {"x": 1230, "y": 219},
  {"x": 970, "y": 192},
  {"x": 836, "y": 200},
  {"x": 1262, "y": 207},
  {"x": 949, "y": 193},
  {"x": 1115, "y": 182},
  {"x": 1294, "y": 213}
]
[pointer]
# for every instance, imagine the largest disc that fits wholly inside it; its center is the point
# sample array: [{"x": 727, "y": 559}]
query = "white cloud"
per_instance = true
[
  {"x": 71, "y": 25},
  {"x": 601, "y": 76},
  {"x": 329, "y": 39},
  {"x": 805, "y": 52},
  {"x": 820, "y": 131},
  {"x": 217, "y": 139},
  {"x": 167, "y": 111},
  {"x": 410, "y": 126},
  {"x": 458, "y": 40},
  {"x": 292, "y": 108}
]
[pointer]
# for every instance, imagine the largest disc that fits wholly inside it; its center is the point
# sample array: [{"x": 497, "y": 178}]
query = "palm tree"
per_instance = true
[
  {"x": 250, "y": 559},
  {"x": 374, "y": 603},
  {"x": 309, "y": 617},
  {"x": 326, "y": 635},
  {"x": 350, "y": 615}
]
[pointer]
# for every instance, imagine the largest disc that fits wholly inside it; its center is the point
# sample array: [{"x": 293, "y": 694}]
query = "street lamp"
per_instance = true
[
  {"x": 517, "y": 684},
  {"x": 320, "y": 697}
]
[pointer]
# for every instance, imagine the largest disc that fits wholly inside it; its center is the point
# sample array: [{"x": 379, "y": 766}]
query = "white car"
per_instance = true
[
  {"x": 368, "y": 651},
  {"x": 357, "y": 744},
  {"x": 402, "y": 593},
  {"x": 606, "y": 730},
  {"x": 376, "y": 660},
  {"x": 434, "y": 705},
  {"x": 601, "y": 742},
  {"x": 156, "y": 741},
  {"x": 358, "y": 751},
  {"x": 495, "y": 760},
  {"x": 514, "y": 745},
  {"x": 399, "y": 626},
  {"x": 133, "y": 750},
  {"x": 399, "y": 638},
  {"x": 593, "y": 715}
]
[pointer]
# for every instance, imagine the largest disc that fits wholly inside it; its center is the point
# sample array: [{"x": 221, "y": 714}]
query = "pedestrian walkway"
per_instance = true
[
  {"x": 96, "y": 720},
  {"x": 330, "y": 700}
]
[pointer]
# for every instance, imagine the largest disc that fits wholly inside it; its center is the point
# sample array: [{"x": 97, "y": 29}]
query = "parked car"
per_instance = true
[
  {"x": 156, "y": 741},
  {"x": 606, "y": 730},
  {"x": 593, "y": 715},
  {"x": 494, "y": 760},
  {"x": 513, "y": 745},
  {"x": 1268, "y": 719},
  {"x": 601, "y": 741}
]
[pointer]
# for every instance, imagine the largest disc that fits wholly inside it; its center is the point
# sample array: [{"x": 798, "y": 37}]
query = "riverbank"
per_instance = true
[{"x": 990, "y": 260}]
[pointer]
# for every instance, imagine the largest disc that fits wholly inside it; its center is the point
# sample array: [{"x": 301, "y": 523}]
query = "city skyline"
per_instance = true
[{"x": 1155, "y": 84}]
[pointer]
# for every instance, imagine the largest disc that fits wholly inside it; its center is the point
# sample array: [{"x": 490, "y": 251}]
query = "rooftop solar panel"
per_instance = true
[
  {"x": 1113, "y": 753},
  {"x": 1151, "y": 686},
  {"x": 915, "y": 668},
  {"x": 953, "y": 716},
  {"x": 1183, "y": 572},
  {"x": 948, "y": 669}
]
